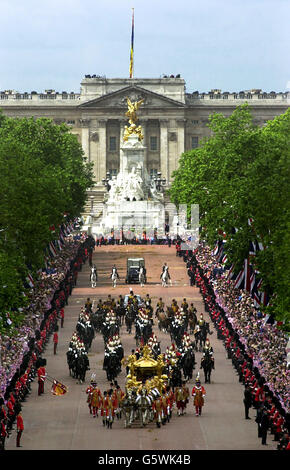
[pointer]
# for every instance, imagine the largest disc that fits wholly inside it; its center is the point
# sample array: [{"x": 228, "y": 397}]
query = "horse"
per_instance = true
[
  {"x": 165, "y": 277},
  {"x": 143, "y": 403},
  {"x": 93, "y": 277},
  {"x": 192, "y": 321},
  {"x": 112, "y": 366},
  {"x": 71, "y": 362},
  {"x": 129, "y": 318},
  {"x": 163, "y": 320},
  {"x": 188, "y": 364},
  {"x": 114, "y": 276},
  {"x": 174, "y": 374},
  {"x": 120, "y": 312},
  {"x": 204, "y": 330},
  {"x": 143, "y": 331},
  {"x": 128, "y": 407},
  {"x": 206, "y": 365},
  {"x": 97, "y": 319},
  {"x": 82, "y": 365},
  {"x": 141, "y": 276}
]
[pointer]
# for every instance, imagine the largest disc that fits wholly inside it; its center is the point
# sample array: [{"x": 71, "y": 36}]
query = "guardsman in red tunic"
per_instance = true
[
  {"x": 41, "y": 379},
  {"x": 186, "y": 394},
  {"x": 61, "y": 314},
  {"x": 198, "y": 393},
  {"x": 170, "y": 402},
  {"x": 102, "y": 407},
  {"x": 109, "y": 410},
  {"x": 96, "y": 398},
  {"x": 10, "y": 413},
  {"x": 180, "y": 400},
  {"x": 3, "y": 435},
  {"x": 89, "y": 398},
  {"x": 20, "y": 429},
  {"x": 55, "y": 341},
  {"x": 157, "y": 408},
  {"x": 164, "y": 406},
  {"x": 117, "y": 398}
]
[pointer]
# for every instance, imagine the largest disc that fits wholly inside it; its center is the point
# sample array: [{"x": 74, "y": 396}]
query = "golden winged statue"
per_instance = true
[{"x": 132, "y": 115}]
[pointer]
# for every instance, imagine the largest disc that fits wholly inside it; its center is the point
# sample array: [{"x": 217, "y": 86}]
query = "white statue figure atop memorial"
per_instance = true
[
  {"x": 113, "y": 193},
  {"x": 126, "y": 187},
  {"x": 135, "y": 183}
]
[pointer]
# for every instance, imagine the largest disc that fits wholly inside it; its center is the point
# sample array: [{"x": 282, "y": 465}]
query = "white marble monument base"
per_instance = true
[{"x": 142, "y": 215}]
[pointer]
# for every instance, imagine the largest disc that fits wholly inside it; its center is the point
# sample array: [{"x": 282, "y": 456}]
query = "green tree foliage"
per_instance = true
[
  {"x": 43, "y": 175},
  {"x": 242, "y": 173}
]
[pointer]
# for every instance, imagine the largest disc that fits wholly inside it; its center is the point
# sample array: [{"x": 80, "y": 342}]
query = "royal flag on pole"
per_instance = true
[
  {"x": 132, "y": 48},
  {"x": 58, "y": 388}
]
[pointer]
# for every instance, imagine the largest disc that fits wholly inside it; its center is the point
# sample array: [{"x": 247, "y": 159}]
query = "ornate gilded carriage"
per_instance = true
[{"x": 146, "y": 372}]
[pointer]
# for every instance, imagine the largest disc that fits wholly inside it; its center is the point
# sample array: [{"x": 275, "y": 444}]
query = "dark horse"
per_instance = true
[
  {"x": 206, "y": 365},
  {"x": 112, "y": 366},
  {"x": 129, "y": 318},
  {"x": 188, "y": 364},
  {"x": 202, "y": 335}
]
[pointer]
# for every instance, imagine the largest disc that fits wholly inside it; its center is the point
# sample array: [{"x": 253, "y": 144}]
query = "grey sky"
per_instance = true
[{"x": 228, "y": 44}]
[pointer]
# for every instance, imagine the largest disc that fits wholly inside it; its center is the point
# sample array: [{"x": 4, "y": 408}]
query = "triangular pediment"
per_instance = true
[{"x": 118, "y": 99}]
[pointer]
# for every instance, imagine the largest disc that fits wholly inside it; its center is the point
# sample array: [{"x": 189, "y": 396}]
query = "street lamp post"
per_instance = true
[
  {"x": 159, "y": 181},
  {"x": 106, "y": 180}
]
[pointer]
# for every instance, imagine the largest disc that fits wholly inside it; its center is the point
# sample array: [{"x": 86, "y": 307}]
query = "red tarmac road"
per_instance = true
[{"x": 64, "y": 422}]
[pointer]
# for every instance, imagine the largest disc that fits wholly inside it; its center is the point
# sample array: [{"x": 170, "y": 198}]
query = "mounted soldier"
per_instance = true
[
  {"x": 207, "y": 361},
  {"x": 165, "y": 276},
  {"x": 114, "y": 275}
]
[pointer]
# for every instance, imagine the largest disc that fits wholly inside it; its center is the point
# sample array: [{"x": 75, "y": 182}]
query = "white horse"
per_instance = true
[
  {"x": 165, "y": 277},
  {"x": 141, "y": 276},
  {"x": 93, "y": 276},
  {"x": 114, "y": 277},
  {"x": 144, "y": 404}
]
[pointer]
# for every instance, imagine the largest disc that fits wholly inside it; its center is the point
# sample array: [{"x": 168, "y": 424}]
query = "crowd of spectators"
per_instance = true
[
  {"x": 131, "y": 237},
  {"x": 256, "y": 346},
  {"x": 21, "y": 353}
]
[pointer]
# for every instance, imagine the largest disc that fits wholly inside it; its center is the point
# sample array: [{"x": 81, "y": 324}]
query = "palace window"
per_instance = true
[
  {"x": 195, "y": 122},
  {"x": 153, "y": 143},
  {"x": 194, "y": 142},
  {"x": 112, "y": 144},
  {"x": 71, "y": 122}
]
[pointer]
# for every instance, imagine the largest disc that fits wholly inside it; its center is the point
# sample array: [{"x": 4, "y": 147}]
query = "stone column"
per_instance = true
[
  {"x": 85, "y": 125},
  {"x": 164, "y": 161},
  {"x": 180, "y": 138},
  {"x": 102, "y": 160}
]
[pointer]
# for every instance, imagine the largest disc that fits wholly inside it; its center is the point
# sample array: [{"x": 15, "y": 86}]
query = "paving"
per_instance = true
[{"x": 64, "y": 423}]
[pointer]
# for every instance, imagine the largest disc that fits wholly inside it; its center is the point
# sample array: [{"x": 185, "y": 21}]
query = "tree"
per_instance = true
[
  {"x": 238, "y": 174},
  {"x": 43, "y": 176}
]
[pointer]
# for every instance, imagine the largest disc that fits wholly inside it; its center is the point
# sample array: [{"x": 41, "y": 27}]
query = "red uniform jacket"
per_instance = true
[{"x": 20, "y": 426}]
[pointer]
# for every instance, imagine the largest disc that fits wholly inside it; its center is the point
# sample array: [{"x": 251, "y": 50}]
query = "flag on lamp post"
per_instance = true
[{"x": 132, "y": 47}]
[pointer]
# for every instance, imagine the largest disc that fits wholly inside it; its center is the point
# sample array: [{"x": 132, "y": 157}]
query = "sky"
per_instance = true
[{"x": 232, "y": 45}]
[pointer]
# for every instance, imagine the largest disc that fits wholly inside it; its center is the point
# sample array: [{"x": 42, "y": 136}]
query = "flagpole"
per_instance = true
[{"x": 131, "y": 68}]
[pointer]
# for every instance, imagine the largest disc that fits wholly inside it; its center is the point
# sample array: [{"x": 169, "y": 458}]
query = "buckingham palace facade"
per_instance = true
[{"x": 173, "y": 120}]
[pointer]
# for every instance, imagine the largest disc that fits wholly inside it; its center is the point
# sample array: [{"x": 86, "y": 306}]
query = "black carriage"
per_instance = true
[{"x": 133, "y": 269}]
